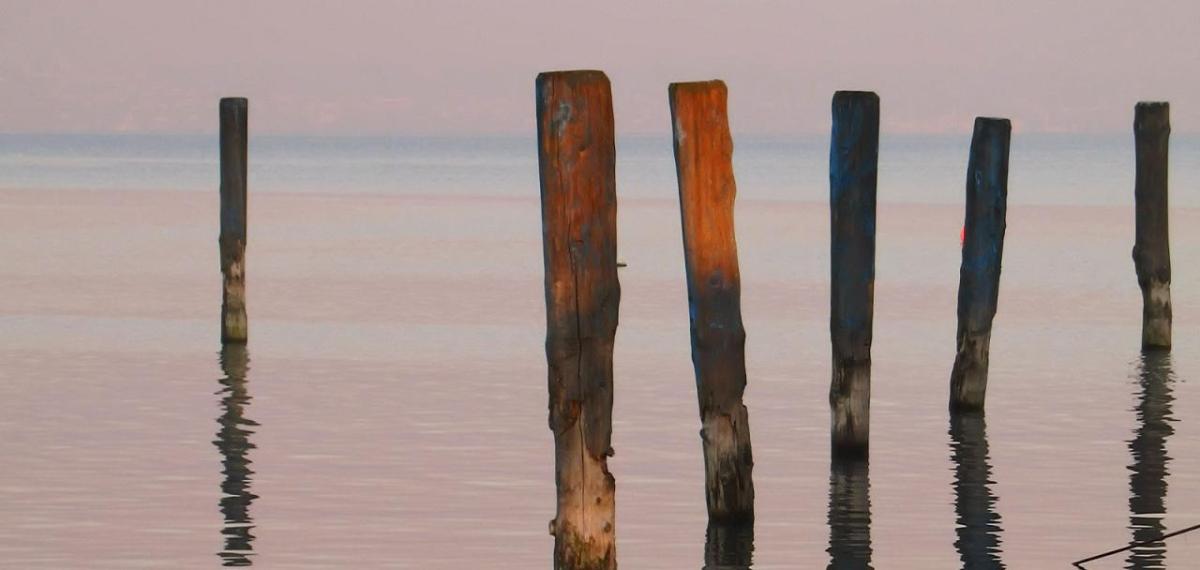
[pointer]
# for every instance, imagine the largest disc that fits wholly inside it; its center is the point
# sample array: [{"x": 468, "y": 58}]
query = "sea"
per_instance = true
[{"x": 390, "y": 408}]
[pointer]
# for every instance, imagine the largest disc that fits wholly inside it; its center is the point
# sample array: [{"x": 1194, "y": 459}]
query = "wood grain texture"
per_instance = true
[
  {"x": 982, "y": 251},
  {"x": 576, "y": 158},
  {"x": 704, "y": 166},
  {"x": 234, "y": 134},
  {"x": 853, "y": 170},
  {"x": 1152, "y": 249}
]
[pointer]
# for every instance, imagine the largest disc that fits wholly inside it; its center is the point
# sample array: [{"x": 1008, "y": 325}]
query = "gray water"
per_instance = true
[{"x": 390, "y": 408}]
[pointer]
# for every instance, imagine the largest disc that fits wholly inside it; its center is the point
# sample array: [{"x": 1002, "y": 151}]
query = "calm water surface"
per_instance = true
[{"x": 390, "y": 408}]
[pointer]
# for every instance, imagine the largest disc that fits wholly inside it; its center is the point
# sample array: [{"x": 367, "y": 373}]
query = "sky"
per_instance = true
[{"x": 450, "y": 67}]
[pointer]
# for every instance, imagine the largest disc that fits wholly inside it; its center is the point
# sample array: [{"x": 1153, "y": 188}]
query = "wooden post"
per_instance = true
[
  {"x": 849, "y": 512},
  {"x": 233, "y": 219},
  {"x": 704, "y": 166},
  {"x": 577, "y": 166},
  {"x": 1151, "y": 248},
  {"x": 233, "y": 440},
  {"x": 982, "y": 249},
  {"x": 853, "y": 166},
  {"x": 977, "y": 522}
]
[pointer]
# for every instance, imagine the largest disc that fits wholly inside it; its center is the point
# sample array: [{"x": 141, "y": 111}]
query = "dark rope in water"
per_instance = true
[{"x": 1080, "y": 563}]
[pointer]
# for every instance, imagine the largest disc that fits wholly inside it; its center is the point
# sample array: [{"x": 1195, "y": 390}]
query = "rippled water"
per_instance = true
[{"x": 390, "y": 408}]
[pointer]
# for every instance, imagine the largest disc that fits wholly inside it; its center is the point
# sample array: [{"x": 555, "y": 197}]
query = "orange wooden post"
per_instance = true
[
  {"x": 704, "y": 165},
  {"x": 577, "y": 165}
]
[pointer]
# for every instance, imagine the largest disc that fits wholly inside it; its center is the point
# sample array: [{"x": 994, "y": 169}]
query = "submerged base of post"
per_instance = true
[
  {"x": 850, "y": 404},
  {"x": 728, "y": 462},
  {"x": 585, "y": 529},
  {"x": 968, "y": 379},
  {"x": 1156, "y": 315},
  {"x": 234, "y": 325}
]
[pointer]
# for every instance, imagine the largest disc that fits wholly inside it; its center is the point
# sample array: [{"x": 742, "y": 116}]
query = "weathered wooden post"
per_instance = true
[
  {"x": 1152, "y": 245},
  {"x": 704, "y": 166},
  {"x": 853, "y": 167},
  {"x": 233, "y": 219},
  {"x": 983, "y": 246},
  {"x": 577, "y": 166}
]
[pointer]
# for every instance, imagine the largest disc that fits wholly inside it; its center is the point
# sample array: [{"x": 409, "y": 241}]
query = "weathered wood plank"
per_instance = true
[
  {"x": 704, "y": 166},
  {"x": 234, "y": 133},
  {"x": 853, "y": 169},
  {"x": 982, "y": 250},
  {"x": 576, "y": 158},
  {"x": 1152, "y": 249}
]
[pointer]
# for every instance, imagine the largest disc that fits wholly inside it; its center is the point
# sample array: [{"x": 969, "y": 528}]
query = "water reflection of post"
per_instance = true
[
  {"x": 233, "y": 439},
  {"x": 978, "y": 524},
  {"x": 1148, "y": 474},
  {"x": 729, "y": 546},
  {"x": 849, "y": 513}
]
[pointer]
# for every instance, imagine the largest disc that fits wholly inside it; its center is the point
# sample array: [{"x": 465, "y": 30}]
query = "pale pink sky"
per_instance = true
[{"x": 455, "y": 67}]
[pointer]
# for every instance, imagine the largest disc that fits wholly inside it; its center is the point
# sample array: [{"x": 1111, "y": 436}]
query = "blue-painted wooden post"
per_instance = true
[
  {"x": 853, "y": 167},
  {"x": 982, "y": 250}
]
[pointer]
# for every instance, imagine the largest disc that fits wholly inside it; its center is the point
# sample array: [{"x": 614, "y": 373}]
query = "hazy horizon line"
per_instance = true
[{"x": 664, "y": 133}]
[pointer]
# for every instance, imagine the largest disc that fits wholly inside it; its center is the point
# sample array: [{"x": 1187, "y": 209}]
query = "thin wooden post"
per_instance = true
[
  {"x": 577, "y": 166},
  {"x": 1152, "y": 245},
  {"x": 234, "y": 327},
  {"x": 704, "y": 166},
  {"x": 983, "y": 247},
  {"x": 853, "y": 168}
]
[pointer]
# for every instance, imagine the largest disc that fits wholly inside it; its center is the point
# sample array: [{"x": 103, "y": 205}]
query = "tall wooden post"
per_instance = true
[
  {"x": 1152, "y": 249},
  {"x": 853, "y": 166},
  {"x": 983, "y": 246},
  {"x": 577, "y": 166},
  {"x": 233, "y": 219},
  {"x": 704, "y": 166}
]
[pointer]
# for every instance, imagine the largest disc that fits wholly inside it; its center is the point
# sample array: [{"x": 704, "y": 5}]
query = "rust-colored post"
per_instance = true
[
  {"x": 704, "y": 166},
  {"x": 577, "y": 167},
  {"x": 982, "y": 250},
  {"x": 853, "y": 170},
  {"x": 233, "y": 219},
  {"x": 1152, "y": 247}
]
